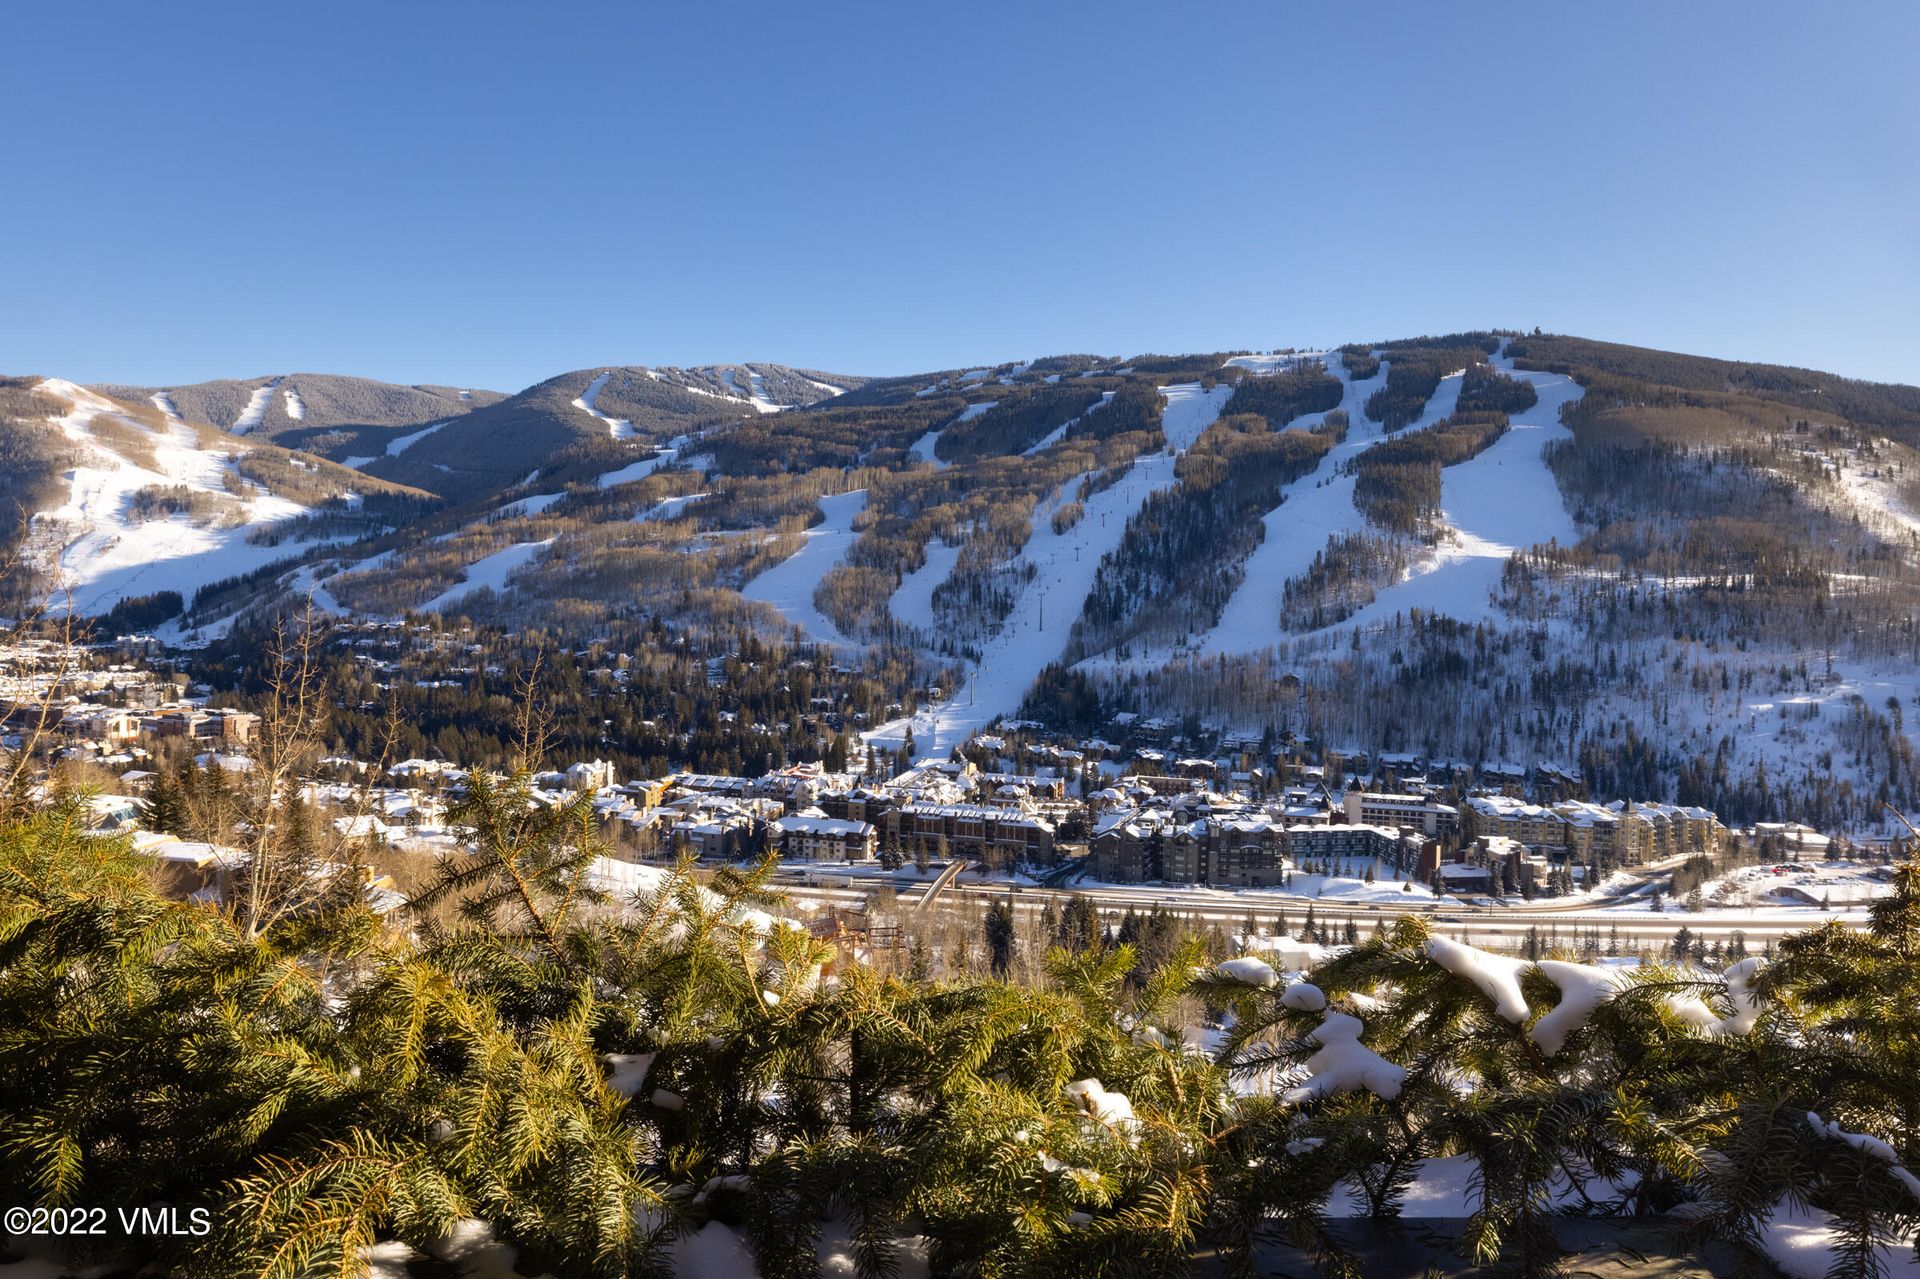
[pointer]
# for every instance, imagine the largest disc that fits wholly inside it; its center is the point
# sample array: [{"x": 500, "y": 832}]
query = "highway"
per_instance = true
[{"x": 1209, "y": 906}]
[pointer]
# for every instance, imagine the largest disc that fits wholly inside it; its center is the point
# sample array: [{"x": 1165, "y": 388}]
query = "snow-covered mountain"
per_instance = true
[
  {"x": 137, "y": 501},
  {"x": 1687, "y": 576}
]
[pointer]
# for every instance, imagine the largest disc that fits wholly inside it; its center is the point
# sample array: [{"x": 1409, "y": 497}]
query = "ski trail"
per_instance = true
[
  {"x": 489, "y": 571},
  {"x": 789, "y": 585},
  {"x": 256, "y": 410},
  {"x": 644, "y": 467},
  {"x": 619, "y": 428},
  {"x": 1499, "y": 502},
  {"x": 1059, "y": 433},
  {"x": 296, "y": 408},
  {"x": 1038, "y": 626},
  {"x": 396, "y": 447}
]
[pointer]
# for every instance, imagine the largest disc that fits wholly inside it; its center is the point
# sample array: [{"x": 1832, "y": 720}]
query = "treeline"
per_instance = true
[
  {"x": 1890, "y": 406},
  {"x": 651, "y": 699},
  {"x": 1183, "y": 553},
  {"x": 1397, "y": 482},
  {"x": 829, "y": 435},
  {"x": 135, "y": 613},
  {"x": 1180, "y": 368},
  {"x": 32, "y": 456}
]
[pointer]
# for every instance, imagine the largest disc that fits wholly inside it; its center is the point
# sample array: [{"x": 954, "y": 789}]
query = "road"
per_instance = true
[{"x": 1210, "y": 906}]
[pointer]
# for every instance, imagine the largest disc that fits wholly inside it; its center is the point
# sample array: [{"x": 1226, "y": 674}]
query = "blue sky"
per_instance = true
[{"x": 489, "y": 194}]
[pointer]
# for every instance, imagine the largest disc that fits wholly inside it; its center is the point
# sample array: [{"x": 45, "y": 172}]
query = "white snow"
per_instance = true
[
  {"x": 529, "y": 505},
  {"x": 628, "y": 1071},
  {"x": 1190, "y": 410},
  {"x": 1254, "y": 972},
  {"x": 1304, "y": 997},
  {"x": 1801, "y": 1241},
  {"x": 164, "y": 402},
  {"x": 1497, "y": 976},
  {"x": 295, "y": 408},
  {"x": 1583, "y": 988},
  {"x": 619, "y": 428},
  {"x": 489, "y": 571},
  {"x": 396, "y": 447},
  {"x": 973, "y": 411},
  {"x": 828, "y": 387},
  {"x": 923, "y": 449},
  {"x": 1113, "y": 1109},
  {"x": 912, "y": 601},
  {"x": 789, "y": 585},
  {"x": 1344, "y": 1064},
  {"x": 256, "y": 410},
  {"x": 668, "y": 508}
]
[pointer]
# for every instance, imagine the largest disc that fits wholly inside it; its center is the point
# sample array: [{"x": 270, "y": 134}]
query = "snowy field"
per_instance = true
[{"x": 789, "y": 585}]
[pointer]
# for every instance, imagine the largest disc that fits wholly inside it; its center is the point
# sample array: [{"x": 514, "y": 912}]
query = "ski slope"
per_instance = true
[
  {"x": 1190, "y": 410},
  {"x": 100, "y": 554},
  {"x": 1500, "y": 502},
  {"x": 256, "y": 410},
  {"x": 296, "y": 409},
  {"x": 754, "y": 393},
  {"x": 912, "y": 600},
  {"x": 922, "y": 449},
  {"x": 668, "y": 508},
  {"x": 1320, "y": 506},
  {"x": 490, "y": 571},
  {"x": 618, "y": 427},
  {"x": 398, "y": 446},
  {"x": 789, "y": 585},
  {"x": 1314, "y": 508},
  {"x": 1038, "y": 626}
]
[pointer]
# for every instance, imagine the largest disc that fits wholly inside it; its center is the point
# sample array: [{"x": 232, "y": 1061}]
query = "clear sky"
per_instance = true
[{"x": 487, "y": 195}]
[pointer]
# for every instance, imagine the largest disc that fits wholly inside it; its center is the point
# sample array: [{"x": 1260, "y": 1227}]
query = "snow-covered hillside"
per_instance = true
[
  {"x": 98, "y": 544},
  {"x": 789, "y": 585},
  {"x": 1036, "y": 630}
]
